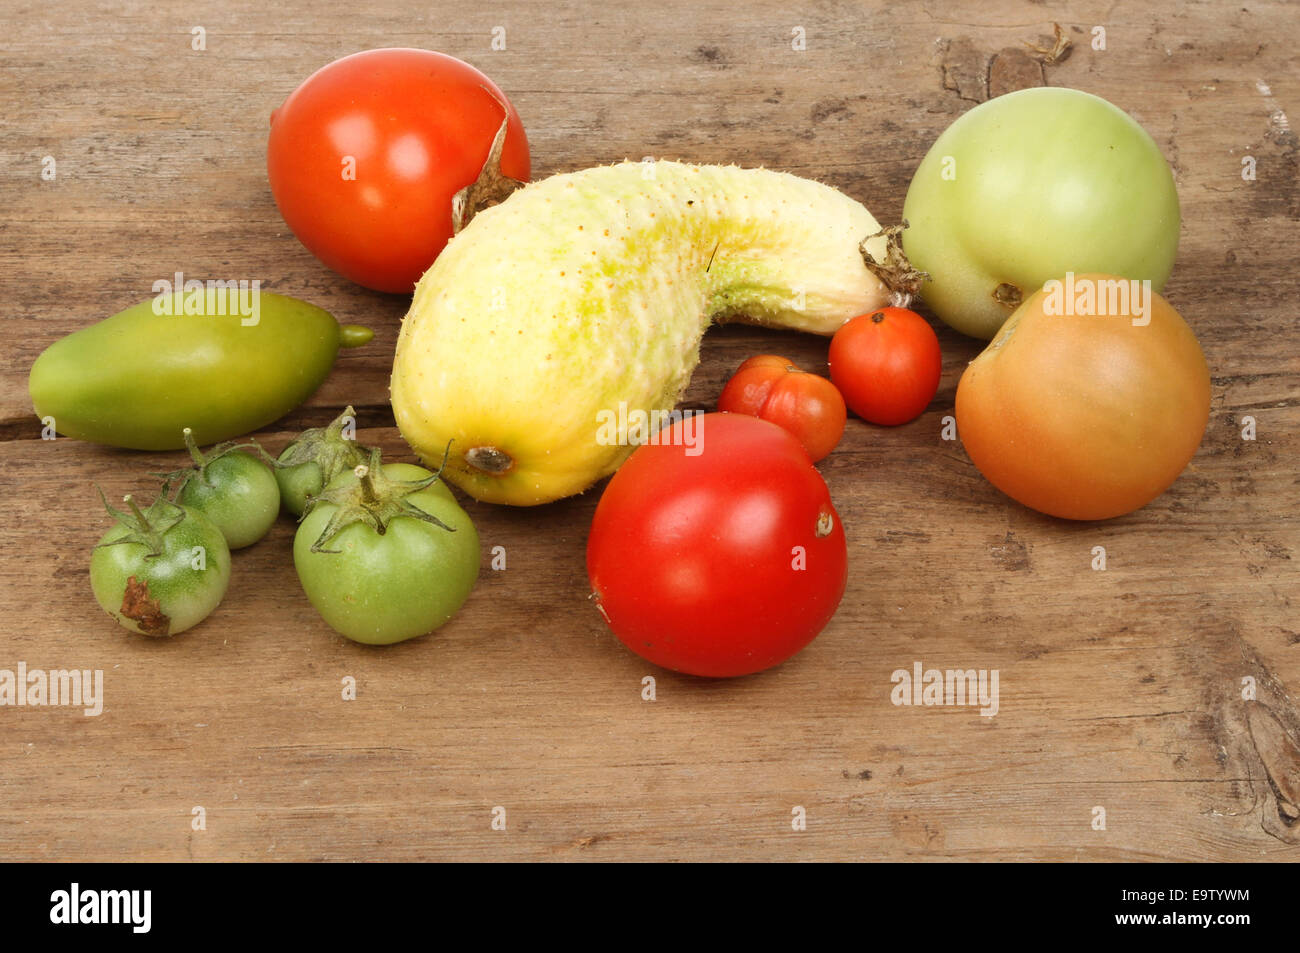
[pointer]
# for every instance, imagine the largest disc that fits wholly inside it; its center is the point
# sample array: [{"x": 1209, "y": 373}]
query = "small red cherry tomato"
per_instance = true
[
  {"x": 776, "y": 389},
  {"x": 887, "y": 365}
]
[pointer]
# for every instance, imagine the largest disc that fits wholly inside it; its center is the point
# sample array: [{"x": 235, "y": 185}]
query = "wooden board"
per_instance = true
[{"x": 1120, "y": 690}]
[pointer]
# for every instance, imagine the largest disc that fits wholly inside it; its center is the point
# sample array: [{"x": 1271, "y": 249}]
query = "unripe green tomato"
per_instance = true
[
  {"x": 297, "y": 483},
  {"x": 316, "y": 457},
  {"x": 164, "y": 594},
  {"x": 1027, "y": 187},
  {"x": 238, "y": 493},
  {"x": 380, "y": 589}
]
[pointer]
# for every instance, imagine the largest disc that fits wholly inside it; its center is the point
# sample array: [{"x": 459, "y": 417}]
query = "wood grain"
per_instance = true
[{"x": 1120, "y": 689}]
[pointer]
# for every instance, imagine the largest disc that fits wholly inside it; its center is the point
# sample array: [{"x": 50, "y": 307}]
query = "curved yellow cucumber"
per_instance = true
[{"x": 585, "y": 295}]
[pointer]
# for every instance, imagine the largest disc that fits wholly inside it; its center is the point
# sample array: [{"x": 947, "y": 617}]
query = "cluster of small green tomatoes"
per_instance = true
[{"x": 383, "y": 551}]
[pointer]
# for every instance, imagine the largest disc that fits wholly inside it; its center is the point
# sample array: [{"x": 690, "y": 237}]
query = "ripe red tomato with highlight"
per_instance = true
[
  {"x": 887, "y": 365},
  {"x": 365, "y": 156},
  {"x": 717, "y": 552},
  {"x": 776, "y": 389}
]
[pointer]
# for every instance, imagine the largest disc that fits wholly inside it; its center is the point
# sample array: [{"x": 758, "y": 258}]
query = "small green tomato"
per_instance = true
[
  {"x": 161, "y": 571},
  {"x": 317, "y": 457},
  {"x": 235, "y": 490},
  {"x": 385, "y": 553}
]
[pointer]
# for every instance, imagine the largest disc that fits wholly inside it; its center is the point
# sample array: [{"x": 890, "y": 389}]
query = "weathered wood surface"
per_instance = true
[{"x": 1120, "y": 689}]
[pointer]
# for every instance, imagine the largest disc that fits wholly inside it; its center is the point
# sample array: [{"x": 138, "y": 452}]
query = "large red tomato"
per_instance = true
[
  {"x": 365, "y": 157},
  {"x": 718, "y": 551}
]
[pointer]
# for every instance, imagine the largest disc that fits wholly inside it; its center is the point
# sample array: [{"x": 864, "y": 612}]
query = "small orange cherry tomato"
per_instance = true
[{"x": 778, "y": 390}]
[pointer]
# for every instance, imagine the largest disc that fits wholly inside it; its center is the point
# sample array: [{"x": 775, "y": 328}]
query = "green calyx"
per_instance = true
[
  {"x": 329, "y": 447},
  {"x": 374, "y": 500},
  {"x": 177, "y": 479},
  {"x": 146, "y": 528}
]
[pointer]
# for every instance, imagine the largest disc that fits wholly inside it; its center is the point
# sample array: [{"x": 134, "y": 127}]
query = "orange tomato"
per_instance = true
[
  {"x": 777, "y": 390},
  {"x": 1086, "y": 416},
  {"x": 887, "y": 364}
]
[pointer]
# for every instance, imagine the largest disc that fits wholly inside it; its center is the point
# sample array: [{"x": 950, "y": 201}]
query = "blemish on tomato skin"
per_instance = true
[
  {"x": 595, "y": 597},
  {"x": 144, "y": 610}
]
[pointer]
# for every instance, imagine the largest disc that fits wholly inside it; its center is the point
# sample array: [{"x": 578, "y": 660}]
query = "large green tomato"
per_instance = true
[
  {"x": 381, "y": 588},
  {"x": 1029, "y": 186}
]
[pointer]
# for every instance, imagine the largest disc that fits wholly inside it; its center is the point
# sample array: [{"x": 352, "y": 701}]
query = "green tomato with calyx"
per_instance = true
[
  {"x": 318, "y": 455},
  {"x": 231, "y": 487},
  {"x": 1027, "y": 187},
  {"x": 385, "y": 553},
  {"x": 161, "y": 570}
]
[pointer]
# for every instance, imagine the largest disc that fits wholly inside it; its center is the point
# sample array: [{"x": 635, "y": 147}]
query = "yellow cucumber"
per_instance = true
[{"x": 585, "y": 295}]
